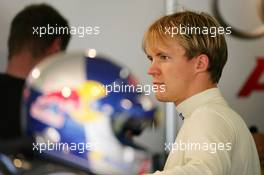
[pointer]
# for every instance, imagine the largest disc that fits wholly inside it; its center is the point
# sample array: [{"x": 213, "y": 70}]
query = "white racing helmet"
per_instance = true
[{"x": 75, "y": 115}]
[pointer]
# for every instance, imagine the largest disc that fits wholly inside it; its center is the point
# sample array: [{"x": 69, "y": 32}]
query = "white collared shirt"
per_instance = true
[{"x": 213, "y": 140}]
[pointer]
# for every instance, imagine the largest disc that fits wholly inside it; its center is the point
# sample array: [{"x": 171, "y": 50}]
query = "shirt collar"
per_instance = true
[{"x": 187, "y": 107}]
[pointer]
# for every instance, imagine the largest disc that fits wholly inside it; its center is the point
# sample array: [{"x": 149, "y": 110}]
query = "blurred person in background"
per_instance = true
[{"x": 26, "y": 48}]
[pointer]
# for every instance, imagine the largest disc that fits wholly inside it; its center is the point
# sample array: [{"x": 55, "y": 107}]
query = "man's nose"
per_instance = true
[{"x": 154, "y": 70}]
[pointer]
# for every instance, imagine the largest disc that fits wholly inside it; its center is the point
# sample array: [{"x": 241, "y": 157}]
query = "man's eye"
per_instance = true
[
  {"x": 150, "y": 58},
  {"x": 164, "y": 57}
]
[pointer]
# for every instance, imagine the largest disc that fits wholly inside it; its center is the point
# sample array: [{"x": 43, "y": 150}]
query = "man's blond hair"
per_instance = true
[{"x": 193, "y": 41}]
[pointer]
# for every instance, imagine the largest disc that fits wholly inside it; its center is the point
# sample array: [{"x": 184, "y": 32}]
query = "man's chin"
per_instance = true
[{"x": 160, "y": 97}]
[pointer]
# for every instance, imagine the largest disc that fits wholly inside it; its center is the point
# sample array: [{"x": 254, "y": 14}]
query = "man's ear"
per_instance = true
[
  {"x": 54, "y": 47},
  {"x": 201, "y": 63}
]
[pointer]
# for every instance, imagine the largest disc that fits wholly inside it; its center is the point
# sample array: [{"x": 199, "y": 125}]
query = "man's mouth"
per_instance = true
[{"x": 157, "y": 83}]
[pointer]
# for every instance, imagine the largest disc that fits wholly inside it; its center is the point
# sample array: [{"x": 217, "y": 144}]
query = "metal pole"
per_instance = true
[
  {"x": 171, "y": 6},
  {"x": 172, "y": 119}
]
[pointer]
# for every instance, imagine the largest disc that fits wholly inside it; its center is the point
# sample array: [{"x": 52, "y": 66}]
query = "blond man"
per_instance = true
[{"x": 188, "y": 51}]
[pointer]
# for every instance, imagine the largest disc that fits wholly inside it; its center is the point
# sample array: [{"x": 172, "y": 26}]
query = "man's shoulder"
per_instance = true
[
  {"x": 209, "y": 120},
  {"x": 218, "y": 109},
  {"x": 11, "y": 94},
  {"x": 219, "y": 115},
  {"x": 11, "y": 88},
  {"x": 6, "y": 79}
]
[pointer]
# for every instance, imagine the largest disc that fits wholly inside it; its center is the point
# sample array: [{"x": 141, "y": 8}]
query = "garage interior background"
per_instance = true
[{"x": 122, "y": 24}]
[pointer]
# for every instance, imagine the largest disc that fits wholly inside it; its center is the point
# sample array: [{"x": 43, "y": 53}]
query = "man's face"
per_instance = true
[{"x": 171, "y": 68}]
